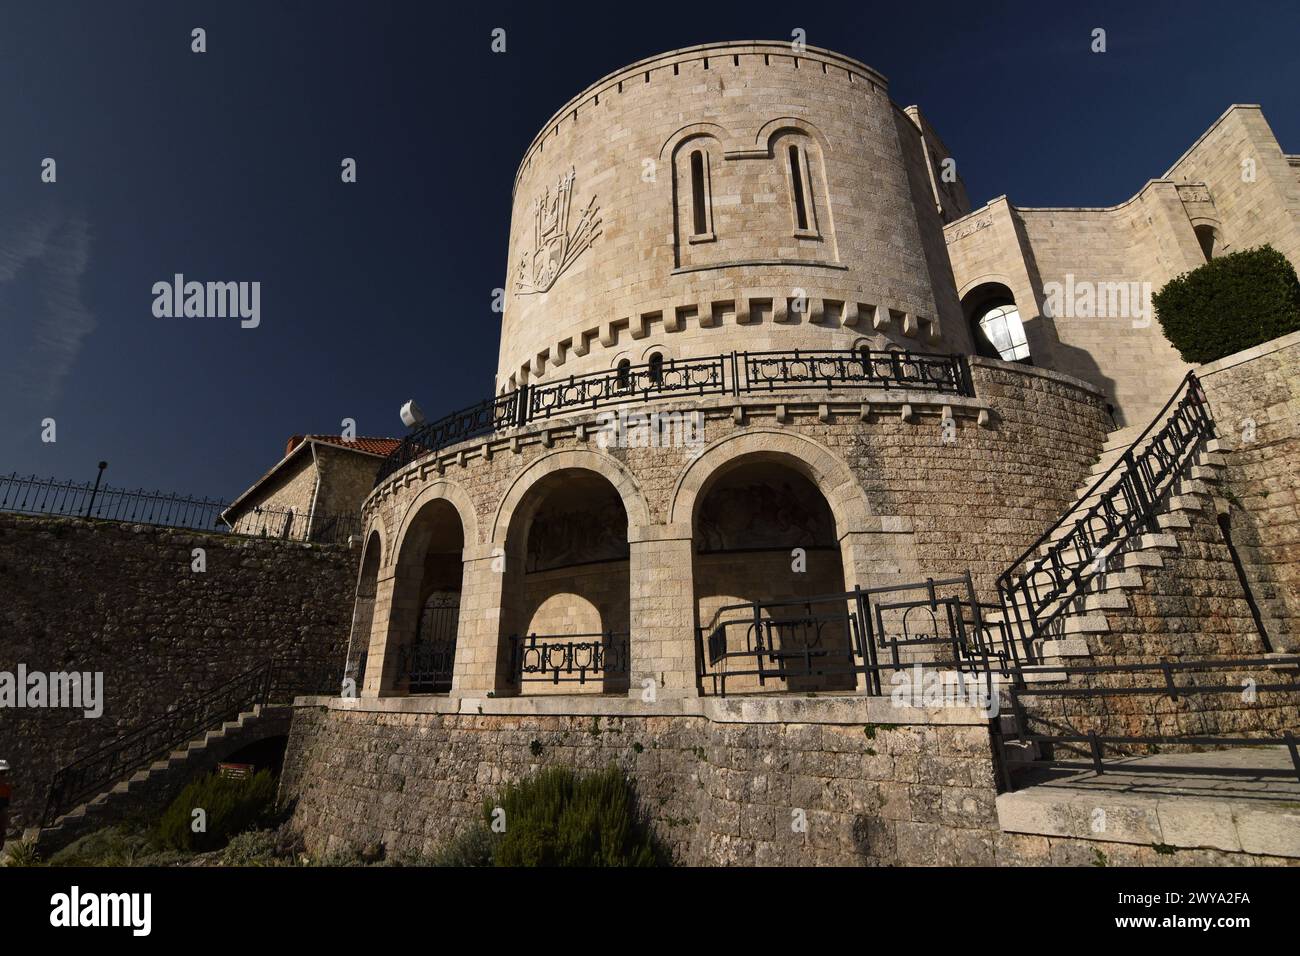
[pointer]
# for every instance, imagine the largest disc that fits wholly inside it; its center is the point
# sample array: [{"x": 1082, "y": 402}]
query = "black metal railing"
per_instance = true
[
  {"x": 731, "y": 373},
  {"x": 49, "y": 496},
  {"x": 428, "y": 666},
  {"x": 1074, "y": 688},
  {"x": 841, "y": 641},
  {"x": 1036, "y": 588},
  {"x": 92, "y": 774},
  {"x": 570, "y": 658}
]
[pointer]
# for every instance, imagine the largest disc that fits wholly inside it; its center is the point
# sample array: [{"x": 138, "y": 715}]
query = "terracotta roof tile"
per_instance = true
[{"x": 372, "y": 446}]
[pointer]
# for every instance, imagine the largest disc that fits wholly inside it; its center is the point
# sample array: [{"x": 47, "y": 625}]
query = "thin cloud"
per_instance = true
[{"x": 51, "y": 253}]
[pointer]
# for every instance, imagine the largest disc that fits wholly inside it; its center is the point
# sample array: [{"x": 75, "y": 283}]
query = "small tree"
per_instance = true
[{"x": 1230, "y": 304}]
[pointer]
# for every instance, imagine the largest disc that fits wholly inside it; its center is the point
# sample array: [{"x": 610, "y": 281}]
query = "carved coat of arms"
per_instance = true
[{"x": 555, "y": 245}]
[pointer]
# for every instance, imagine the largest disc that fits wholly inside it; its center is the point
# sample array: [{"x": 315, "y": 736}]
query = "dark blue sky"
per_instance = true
[{"x": 225, "y": 166}]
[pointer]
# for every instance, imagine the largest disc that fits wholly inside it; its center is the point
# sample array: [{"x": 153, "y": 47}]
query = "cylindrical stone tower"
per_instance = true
[{"x": 732, "y": 196}]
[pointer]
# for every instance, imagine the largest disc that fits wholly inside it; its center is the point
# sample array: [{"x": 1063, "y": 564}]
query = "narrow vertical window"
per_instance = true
[
  {"x": 657, "y": 368},
  {"x": 698, "y": 205},
  {"x": 624, "y": 378},
  {"x": 796, "y": 185}
]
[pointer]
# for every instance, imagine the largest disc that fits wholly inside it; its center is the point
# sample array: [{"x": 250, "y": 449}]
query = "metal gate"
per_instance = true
[{"x": 428, "y": 662}]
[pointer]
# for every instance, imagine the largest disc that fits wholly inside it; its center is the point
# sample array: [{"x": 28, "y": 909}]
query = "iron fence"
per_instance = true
[
  {"x": 1146, "y": 682},
  {"x": 730, "y": 373},
  {"x": 831, "y": 641},
  {"x": 570, "y": 658},
  {"x": 49, "y": 496}
]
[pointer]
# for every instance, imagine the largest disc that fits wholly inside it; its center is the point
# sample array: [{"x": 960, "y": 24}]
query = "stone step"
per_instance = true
[
  {"x": 1086, "y": 624},
  {"x": 1137, "y": 560}
]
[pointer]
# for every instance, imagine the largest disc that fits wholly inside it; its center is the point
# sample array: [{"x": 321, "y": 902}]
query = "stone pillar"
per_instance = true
[
  {"x": 883, "y": 553},
  {"x": 378, "y": 659},
  {"x": 662, "y": 602},
  {"x": 481, "y": 649}
]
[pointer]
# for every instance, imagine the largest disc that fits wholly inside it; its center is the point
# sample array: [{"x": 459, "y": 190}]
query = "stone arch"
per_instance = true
[
  {"x": 769, "y": 131},
  {"x": 444, "y": 489},
  {"x": 564, "y": 534},
  {"x": 426, "y": 572},
  {"x": 634, "y": 503},
  {"x": 712, "y": 130},
  {"x": 981, "y": 299},
  {"x": 827, "y": 471}
]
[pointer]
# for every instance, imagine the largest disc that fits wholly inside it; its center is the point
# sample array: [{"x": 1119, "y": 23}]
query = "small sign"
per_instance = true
[{"x": 236, "y": 771}]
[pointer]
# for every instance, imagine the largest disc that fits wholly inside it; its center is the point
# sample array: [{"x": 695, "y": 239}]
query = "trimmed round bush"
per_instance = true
[{"x": 1230, "y": 304}]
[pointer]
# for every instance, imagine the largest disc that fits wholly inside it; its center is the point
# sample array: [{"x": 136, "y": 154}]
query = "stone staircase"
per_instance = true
[
  {"x": 1103, "y": 591},
  {"x": 147, "y": 792}
]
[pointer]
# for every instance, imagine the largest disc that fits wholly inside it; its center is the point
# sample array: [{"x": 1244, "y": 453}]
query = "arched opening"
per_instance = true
[
  {"x": 995, "y": 324},
  {"x": 656, "y": 370},
  {"x": 565, "y": 612},
  {"x": 424, "y": 621},
  {"x": 1208, "y": 237},
  {"x": 624, "y": 379},
  {"x": 363, "y": 616},
  {"x": 764, "y": 533}
]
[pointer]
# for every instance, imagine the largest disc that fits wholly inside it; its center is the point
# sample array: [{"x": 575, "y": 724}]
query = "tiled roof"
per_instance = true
[{"x": 370, "y": 446}]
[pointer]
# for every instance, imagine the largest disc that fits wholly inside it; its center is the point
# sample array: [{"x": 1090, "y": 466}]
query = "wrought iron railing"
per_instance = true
[
  {"x": 570, "y": 658},
  {"x": 853, "y": 639},
  {"x": 1036, "y": 588},
  {"x": 95, "y": 772},
  {"x": 1144, "y": 683},
  {"x": 428, "y": 666},
  {"x": 731, "y": 373},
  {"x": 49, "y": 496}
]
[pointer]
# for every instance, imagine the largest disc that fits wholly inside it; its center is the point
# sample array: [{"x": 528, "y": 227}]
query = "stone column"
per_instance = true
[
  {"x": 379, "y": 660},
  {"x": 882, "y": 553},
  {"x": 662, "y": 602},
  {"x": 481, "y": 654}
]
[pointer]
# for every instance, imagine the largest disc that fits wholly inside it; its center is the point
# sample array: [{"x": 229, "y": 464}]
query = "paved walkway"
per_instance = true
[{"x": 1245, "y": 800}]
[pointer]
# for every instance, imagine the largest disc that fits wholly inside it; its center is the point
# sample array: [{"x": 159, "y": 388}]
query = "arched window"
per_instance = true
[
  {"x": 657, "y": 368},
  {"x": 624, "y": 374},
  {"x": 803, "y": 209},
  {"x": 1001, "y": 328},
  {"x": 701, "y": 200}
]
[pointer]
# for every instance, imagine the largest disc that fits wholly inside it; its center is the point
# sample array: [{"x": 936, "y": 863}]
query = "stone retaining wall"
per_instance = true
[{"x": 123, "y": 600}]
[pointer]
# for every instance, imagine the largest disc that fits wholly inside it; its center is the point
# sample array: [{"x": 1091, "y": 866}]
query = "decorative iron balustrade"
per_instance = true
[
  {"x": 731, "y": 373},
  {"x": 769, "y": 371},
  {"x": 1036, "y": 588},
  {"x": 1208, "y": 678},
  {"x": 850, "y": 640},
  {"x": 570, "y": 658},
  {"x": 33, "y": 495},
  {"x": 667, "y": 379},
  {"x": 92, "y": 774}
]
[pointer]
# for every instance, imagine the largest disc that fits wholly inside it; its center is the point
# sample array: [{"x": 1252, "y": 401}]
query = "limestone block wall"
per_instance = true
[
  {"x": 910, "y": 498},
  {"x": 1255, "y": 398},
  {"x": 346, "y": 478},
  {"x": 293, "y": 491},
  {"x": 611, "y": 173},
  {"x": 811, "y": 782},
  {"x": 122, "y": 600},
  {"x": 1149, "y": 239},
  {"x": 1251, "y": 212}
]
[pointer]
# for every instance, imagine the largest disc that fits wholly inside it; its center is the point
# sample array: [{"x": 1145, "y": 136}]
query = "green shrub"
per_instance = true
[
  {"x": 558, "y": 819},
  {"x": 232, "y": 806},
  {"x": 21, "y": 853},
  {"x": 1229, "y": 304}
]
